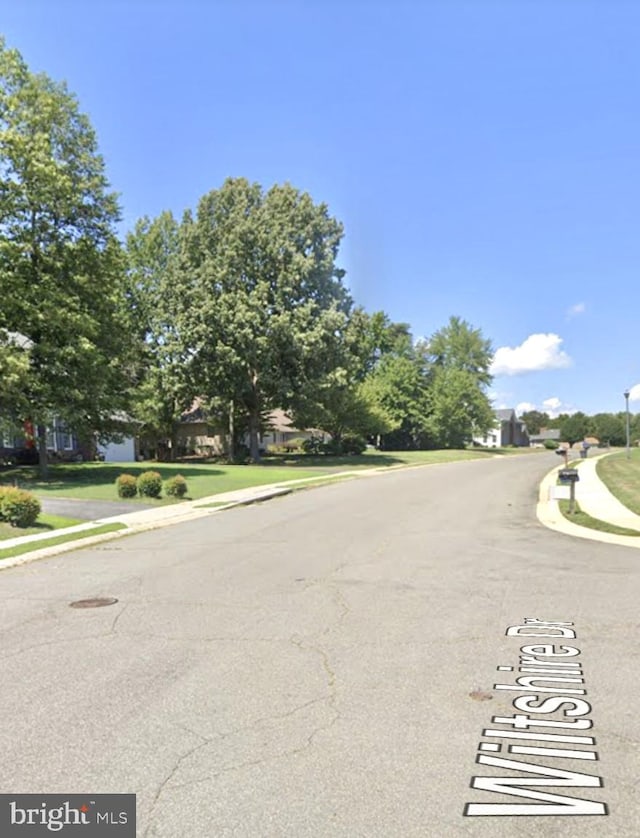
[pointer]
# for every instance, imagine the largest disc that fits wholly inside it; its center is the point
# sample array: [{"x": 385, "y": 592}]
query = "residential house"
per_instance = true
[
  {"x": 198, "y": 435},
  {"x": 508, "y": 430},
  {"x": 282, "y": 431},
  {"x": 538, "y": 440},
  {"x": 18, "y": 444}
]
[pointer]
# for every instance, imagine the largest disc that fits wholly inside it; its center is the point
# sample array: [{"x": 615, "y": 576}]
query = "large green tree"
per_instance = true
[
  {"x": 258, "y": 298},
  {"x": 459, "y": 346},
  {"x": 535, "y": 420},
  {"x": 161, "y": 386},
  {"x": 459, "y": 406},
  {"x": 459, "y": 409},
  {"x": 608, "y": 427},
  {"x": 574, "y": 426},
  {"x": 61, "y": 267}
]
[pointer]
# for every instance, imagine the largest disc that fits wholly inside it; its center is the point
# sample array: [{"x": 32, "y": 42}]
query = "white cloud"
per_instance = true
[
  {"x": 575, "y": 310},
  {"x": 634, "y": 393},
  {"x": 537, "y": 352},
  {"x": 554, "y": 406},
  {"x": 524, "y": 407}
]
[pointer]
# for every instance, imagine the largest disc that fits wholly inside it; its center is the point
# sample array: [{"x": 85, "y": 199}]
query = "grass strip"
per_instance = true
[
  {"x": 96, "y": 481},
  {"x": 32, "y": 546},
  {"x": 583, "y": 520},
  {"x": 45, "y": 523},
  {"x": 621, "y": 476}
]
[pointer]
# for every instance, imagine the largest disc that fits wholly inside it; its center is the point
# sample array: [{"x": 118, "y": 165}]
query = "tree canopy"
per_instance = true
[
  {"x": 258, "y": 298},
  {"x": 60, "y": 262}
]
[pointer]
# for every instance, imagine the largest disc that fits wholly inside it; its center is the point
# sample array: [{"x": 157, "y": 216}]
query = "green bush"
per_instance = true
[
  {"x": 18, "y": 508},
  {"x": 150, "y": 484},
  {"x": 126, "y": 486},
  {"x": 353, "y": 444},
  {"x": 276, "y": 449},
  {"x": 551, "y": 444},
  {"x": 175, "y": 487},
  {"x": 313, "y": 445}
]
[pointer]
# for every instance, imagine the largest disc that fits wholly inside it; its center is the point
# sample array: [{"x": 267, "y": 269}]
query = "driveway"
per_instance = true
[{"x": 89, "y": 510}]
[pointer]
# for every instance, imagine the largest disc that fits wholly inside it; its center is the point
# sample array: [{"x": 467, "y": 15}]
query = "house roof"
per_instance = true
[
  {"x": 551, "y": 433},
  {"x": 279, "y": 421},
  {"x": 505, "y": 414},
  {"x": 196, "y": 413}
]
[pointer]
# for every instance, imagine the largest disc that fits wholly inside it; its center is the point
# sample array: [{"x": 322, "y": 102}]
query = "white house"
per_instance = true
[{"x": 508, "y": 430}]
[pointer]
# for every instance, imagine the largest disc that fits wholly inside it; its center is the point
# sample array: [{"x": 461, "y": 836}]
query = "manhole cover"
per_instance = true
[{"x": 95, "y": 602}]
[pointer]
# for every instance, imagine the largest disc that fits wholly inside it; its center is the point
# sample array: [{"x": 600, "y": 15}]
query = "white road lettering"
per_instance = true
[{"x": 548, "y": 667}]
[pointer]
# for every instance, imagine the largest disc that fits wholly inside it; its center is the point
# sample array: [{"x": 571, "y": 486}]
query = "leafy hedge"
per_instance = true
[
  {"x": 126, "y": 486},
  {"x": 150, "y": 484},
  {"x": 17, "y": 507},
  {"x": 175, "y": 487}
]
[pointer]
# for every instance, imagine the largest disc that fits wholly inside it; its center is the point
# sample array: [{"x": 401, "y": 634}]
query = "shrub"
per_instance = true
[
  {"x": 276, "y": 449},
  {"x": 353, "y": 444},
  {"x": 18, "y": 508},
  {"x": 126, "y": 486},
  {"x": 241, "y": 454},
  {"x": 149, "y": 484},
  {"x": 551, "y": 444},
  {"x": 331, "y": 448},
  {"x": 313, "y": 445},
  {"x": 175, "y": 487}
]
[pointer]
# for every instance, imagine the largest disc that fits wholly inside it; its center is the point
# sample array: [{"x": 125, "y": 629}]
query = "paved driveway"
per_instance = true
[{"x": 89, "y": 510}]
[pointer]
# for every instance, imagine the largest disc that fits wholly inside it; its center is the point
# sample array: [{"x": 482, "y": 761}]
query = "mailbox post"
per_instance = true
[{"x": 570, "y": 476}]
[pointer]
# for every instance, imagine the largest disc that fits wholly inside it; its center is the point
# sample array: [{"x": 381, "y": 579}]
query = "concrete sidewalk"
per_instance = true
[
  {"x": 148, "y": 518},
  {"x": 594, "y": 498},
  {"x": 591, "y": 493}
]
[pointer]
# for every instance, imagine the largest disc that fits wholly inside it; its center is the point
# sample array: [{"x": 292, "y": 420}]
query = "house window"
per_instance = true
[
  {"x": 65, "y": 439},
  {"x": 51, "y": 439}
]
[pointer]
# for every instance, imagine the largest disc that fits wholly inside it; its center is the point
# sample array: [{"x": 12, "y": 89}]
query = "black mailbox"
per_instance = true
[{"x": 568, "y": 475}]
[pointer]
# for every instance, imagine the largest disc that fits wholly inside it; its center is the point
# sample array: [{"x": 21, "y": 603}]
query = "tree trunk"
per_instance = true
[
  {"x": 173, "y": 443},
  {"x": 254, "y": 430},
  {"x": 232, "y": 432},
  {"x": 43, "y": 460}
]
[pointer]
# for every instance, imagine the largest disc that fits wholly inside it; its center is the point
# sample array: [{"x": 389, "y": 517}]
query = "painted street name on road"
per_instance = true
[{"x": 550, "y": 697}]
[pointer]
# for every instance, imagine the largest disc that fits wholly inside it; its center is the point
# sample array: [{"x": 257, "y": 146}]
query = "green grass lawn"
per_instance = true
[
  {"x": 583, "y": 520},
  {"x": 29, "y": 547},
  {"x": 96, "y": 481},
  {"x": 622, "y": 477},
  {"x": 45, "y": 523}
]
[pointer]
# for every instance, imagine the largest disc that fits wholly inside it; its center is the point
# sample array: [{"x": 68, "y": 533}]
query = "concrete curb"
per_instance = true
[
  {"x": 549, "y": 515},
  {"x": 169, "y": 515},
  {"x": 197, "y": 509}
]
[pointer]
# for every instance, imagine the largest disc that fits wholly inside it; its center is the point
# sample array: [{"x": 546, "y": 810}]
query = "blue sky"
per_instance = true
[{"x": 484, "y": 157}]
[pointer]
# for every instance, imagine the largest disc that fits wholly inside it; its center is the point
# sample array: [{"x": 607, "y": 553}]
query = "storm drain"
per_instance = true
[{"x": 95, "y": 602}]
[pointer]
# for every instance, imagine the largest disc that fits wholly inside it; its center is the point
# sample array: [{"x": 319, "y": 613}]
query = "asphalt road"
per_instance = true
[{"x": 324, "y": 664}]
